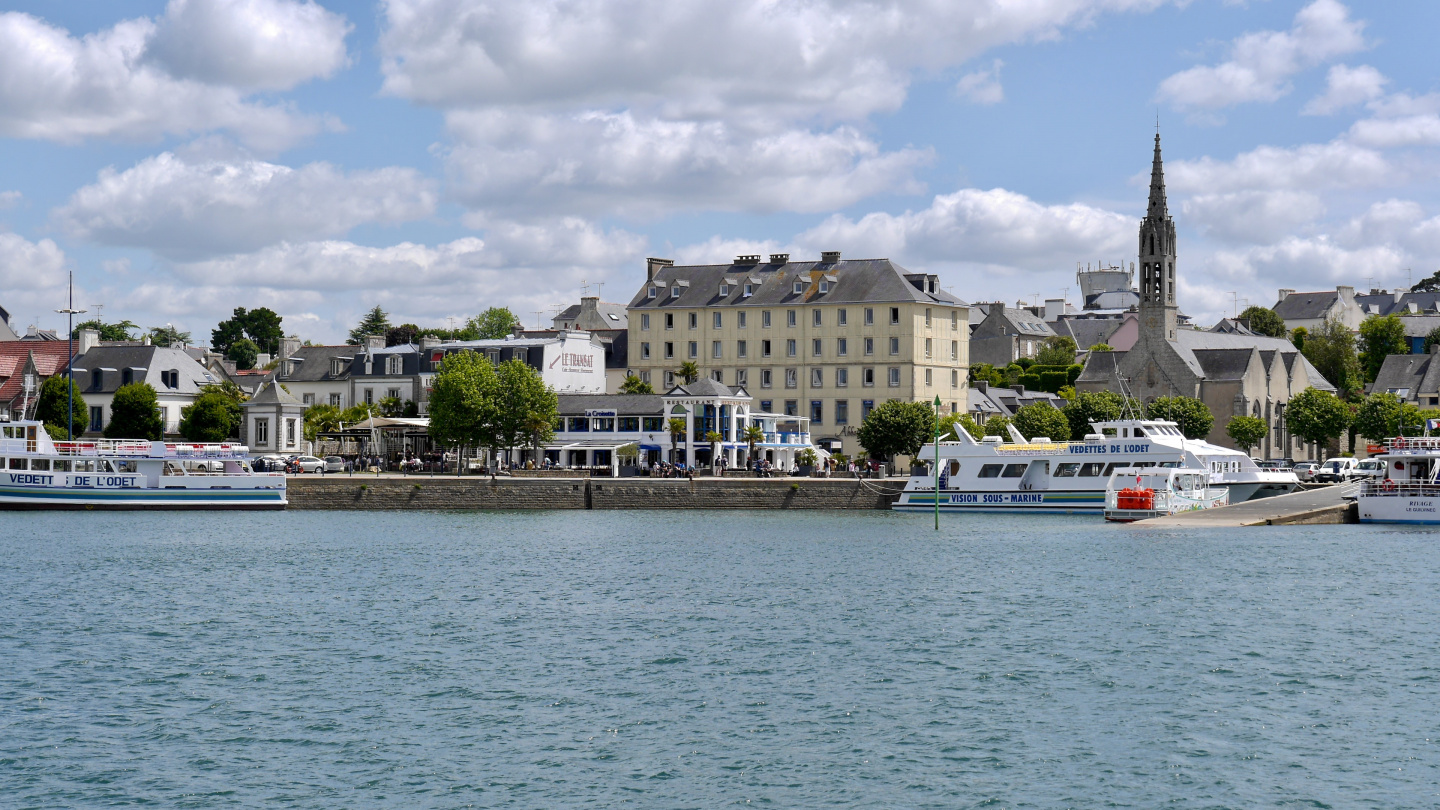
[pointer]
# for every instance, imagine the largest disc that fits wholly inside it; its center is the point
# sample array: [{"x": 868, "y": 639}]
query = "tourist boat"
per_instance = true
[
  {"x": 1407, "y": 491},
  {"x": 38, "y": 473},
  {"x": 1142, "y": 493},
  {"x": 1040, "y": 475}
]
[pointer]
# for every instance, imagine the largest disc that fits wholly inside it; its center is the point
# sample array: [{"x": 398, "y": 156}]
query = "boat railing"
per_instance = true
[
  {"x": 1372, "y": 488},
  {"x": 1412, "y": 444},
  {"x": 134, "y": 448},
  {"x": 1032, "y": 448}
]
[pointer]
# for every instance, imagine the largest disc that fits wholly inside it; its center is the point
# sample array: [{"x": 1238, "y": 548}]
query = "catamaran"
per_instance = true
[
  {"x": 39, "y": 473},
  {"x": 1042, "y": 475}
]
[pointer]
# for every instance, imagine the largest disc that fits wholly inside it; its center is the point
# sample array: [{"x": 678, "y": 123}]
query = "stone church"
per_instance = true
[{"x": 1234, "y": 372}]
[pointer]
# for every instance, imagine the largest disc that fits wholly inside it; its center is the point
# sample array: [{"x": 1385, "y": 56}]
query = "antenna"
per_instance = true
[
  {"x": 99, "y": 314},
  {"x": 539, "y": 317},
  {"x": 599, "y": 285}
]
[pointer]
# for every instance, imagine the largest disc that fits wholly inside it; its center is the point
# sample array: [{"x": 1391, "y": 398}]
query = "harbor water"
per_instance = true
[{"x": 700, "y": 659}]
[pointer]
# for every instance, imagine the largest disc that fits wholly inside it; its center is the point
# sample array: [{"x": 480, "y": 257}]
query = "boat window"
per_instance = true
[
  {"x": 128, "y": 466},
  {"x": 171, "y": 468},
  {"x": 1115, "y": 465},
  {"x": 1092, "y": 469},
  {"x": 84, "y": 465},
  {"x": 39, "y": 463},
  {"x": 17, "y": 463},
  {"x": 1144, "y": 464},
  {"x": 1109, "y": 432},
  {"x": 1170, "y": 464},
  {"x": 990, "y": 471},
  {"x": 1124, "y": 433},
  {"x": 1014, "y": 471},
  {"x": 1067, "y": 470},
  {"x": 954, "y": 468},
  {"x": 60, "y": 465},
  {"x": 1139, "y": 433},
  {"x": 103, "y": 465}
]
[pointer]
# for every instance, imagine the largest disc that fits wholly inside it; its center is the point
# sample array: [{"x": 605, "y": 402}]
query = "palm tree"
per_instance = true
[
  {"x": 751, "y": 435},
  {"x": 689, "y": 371},
  {"x": 676, "y": 426},
  {"x": 714, "y": 438}
]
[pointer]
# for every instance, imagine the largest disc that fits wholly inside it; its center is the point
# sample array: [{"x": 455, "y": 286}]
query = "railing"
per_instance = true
[
  {"x": 1409, "y": 444},
  {"x": 141, "y": 449},
  {"x": 1032, "y": 448},
  {"x": 1371, "y": 488}
]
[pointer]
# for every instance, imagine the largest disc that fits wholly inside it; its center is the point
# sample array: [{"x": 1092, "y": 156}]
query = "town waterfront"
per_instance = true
[{"x": 691, "y": 659}]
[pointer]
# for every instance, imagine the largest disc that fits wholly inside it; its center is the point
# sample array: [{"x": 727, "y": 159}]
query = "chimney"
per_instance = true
[
  {"x": 1346, "y": 293},
  {"x": 288, "y": 346},
  {"x": 89, "y": 339},
  {"x": 262, "y": 359},
  {"x": 829, "y": 256},
  {"x": 779, "y": 258},
  {"x": 517, "y": 331},
  {"x": 1435, "y": 349},
  {"x": 145, "y": 341},
  {"x": 427, "y": 341},
  {"x": 748, "y": 259},
  {"x": 654, "y": 266},
  {"x": 1285, "y": 294},
  {"x": 372, "y": 342},
  {"x": 983, "y": 386}
]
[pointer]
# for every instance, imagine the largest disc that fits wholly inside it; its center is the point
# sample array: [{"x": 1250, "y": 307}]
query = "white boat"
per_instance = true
[
  {"x": 38, "y": 473},
  {"x": 1040, "y": 475},
  {"x": 1140, "y": 494},
  {"x": 1407, "y": 490}
]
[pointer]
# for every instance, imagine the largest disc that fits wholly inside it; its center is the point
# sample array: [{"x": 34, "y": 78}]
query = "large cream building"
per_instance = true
[{"x": 828, "y": 339}]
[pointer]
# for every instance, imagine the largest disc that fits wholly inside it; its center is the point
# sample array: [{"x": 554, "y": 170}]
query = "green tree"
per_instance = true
[
  {"x": 675, "y": 426},
  {"x": 635, "y": 385},
  {"x": 689, "y": 371},
  {"x": 260, "y": 326},
  {"x": 321, "y": 418},
  {"x": 1041, "y": 419},
  {"x": 542, "y": 429},
  {"x": 1380, "y": 416},
  {"x": 1331, "y": 349},
  {"x": 1264, "y": 321},
  {"x": 493, "y": 324},
  {"x": 1297, "y": 337},
  {"x": 168, "y": 335},
  {"x": 1096, "y": 406},
  {"x": 135, "y": 414},
  {"x": 1380, "y": 336},
  {"x": 984, "y": 372},
  {"x": 521, "y": 399},
  {"x": 462, "y": 401},
  {"x": 124, "y": 330},
  {"x": 956, "y": 422},
  {"x": 243, "y": 353},
  {"x": 1057, "y": 350},
  {"x": 1192, "y": 415},
  {"x": 1246, "y": 431},
  {"x": 1430, "y": 283},
  {"x": 1317, "y": 416},
  {"x": 897, "y": 428},
  {"x": 375, "y": 324},
  {"x": 214, "y": 416},
  {"x": 52, "y": 407},
  {"x": 1102, "y": 347},
  {"x": 752, "y": 435},
  {"x": 391, "y": 406},
  {"x": 402, "y": 335},
  {"x": 1431, "y": 339},
  {"x": 998, "y": 426}
]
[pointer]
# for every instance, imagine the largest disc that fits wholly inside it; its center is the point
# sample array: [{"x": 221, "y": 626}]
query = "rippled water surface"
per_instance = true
[{"x": 685, "y": 660}]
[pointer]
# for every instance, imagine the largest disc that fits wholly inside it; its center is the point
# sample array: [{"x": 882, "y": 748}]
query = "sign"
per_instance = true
[
  {"x": 599, "y": 412},
  {"x": 573, "y": 361}
]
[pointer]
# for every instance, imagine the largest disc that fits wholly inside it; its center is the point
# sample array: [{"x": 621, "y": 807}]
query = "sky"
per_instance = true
[{"x": 438, "y": 157}]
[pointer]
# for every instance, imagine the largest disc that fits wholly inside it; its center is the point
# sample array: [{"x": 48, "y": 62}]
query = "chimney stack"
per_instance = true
[
  {"x": 1285, "y": 294},
  {"x": 829, "y": 257},
  {"x": 288, "y": 346},
  {"x": 89, "y": 339},
  {"x": 654, "y": 266},
  {"x": 779, "y": 258},
  {"x": 373, "y": 342}
]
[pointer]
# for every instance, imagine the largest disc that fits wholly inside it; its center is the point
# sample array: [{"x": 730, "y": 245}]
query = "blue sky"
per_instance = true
[{"x": 440, "y": 156}]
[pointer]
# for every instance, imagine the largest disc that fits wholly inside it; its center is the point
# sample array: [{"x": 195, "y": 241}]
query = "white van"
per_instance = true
[
  {"x": 1370, "y": 468},
  {"x": 1336, "y": 470}
]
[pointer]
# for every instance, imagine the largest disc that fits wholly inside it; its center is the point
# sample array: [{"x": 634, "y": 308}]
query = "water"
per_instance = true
[{"x": 679, "y": 660}]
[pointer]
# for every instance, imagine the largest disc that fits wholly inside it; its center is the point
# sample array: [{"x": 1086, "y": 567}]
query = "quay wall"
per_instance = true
[{"x": 344, "y": 492}]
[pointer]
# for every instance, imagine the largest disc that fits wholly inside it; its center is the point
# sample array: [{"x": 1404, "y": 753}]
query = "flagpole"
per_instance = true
[
  {"x": 70, "y": 312},
  {"x": 937, "y": 462}
]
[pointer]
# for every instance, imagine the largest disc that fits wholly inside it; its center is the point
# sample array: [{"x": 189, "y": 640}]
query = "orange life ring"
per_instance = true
[{"x": 1388, "y": 486}]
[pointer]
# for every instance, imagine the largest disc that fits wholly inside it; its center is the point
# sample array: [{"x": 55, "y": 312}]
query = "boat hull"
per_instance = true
[
  {"x": 1412, "y": 509},
  {"x": 59, "y": 498},
  {"x": 1047, "y": 502}
]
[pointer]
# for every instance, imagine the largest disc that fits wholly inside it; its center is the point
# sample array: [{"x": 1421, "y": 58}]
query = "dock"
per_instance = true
[{"x": 1310, "y": 506}]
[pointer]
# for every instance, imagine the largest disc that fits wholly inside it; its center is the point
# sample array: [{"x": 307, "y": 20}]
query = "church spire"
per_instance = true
[{"x": 1157, "y": 208}]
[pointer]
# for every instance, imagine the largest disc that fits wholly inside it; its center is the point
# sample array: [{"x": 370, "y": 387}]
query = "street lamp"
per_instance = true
[{"x": 70, "y": 312}]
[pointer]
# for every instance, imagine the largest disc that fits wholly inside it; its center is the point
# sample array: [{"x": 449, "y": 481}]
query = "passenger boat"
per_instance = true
[
  {"x": 1407, "y": 491},
  {"x": 1040, "y": 475},
  {"x": 38, "y": 473},
  {"x": 1143, "y": 493}
]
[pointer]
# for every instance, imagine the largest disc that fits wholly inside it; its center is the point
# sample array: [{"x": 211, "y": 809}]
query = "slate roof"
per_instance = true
[
  {"x": 1087, "y": 331},
  {"x": 613, "y": 314},
  {"x": 621, "y": 404},
  {"x": 705, "y": 387},
  {"x": 1379, "y": 303},
  {"x": 1190, "y": 344},
  {"x": 1419, "y": 326},
  {"x": 1225, "y": 364},
  {"x": 1306, "y": 305},
  {"x": 272, "y": 394},
  {"x": 1412, "y": 373},
  {"x": 147, "y": 362},
  {"x": 855, "y": 281},
  {"x": 1425, "y": 303},
  {"x": 315, "y": 363}
]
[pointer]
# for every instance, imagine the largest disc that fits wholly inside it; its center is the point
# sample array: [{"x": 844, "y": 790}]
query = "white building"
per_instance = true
[{"x": 101, "y": 369}]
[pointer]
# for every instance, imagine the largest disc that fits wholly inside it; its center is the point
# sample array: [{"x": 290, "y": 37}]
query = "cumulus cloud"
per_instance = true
[
  {"x": 185, "y": 210},
  {"x": 1345, "y": 87},
  {"x": 190, "y": 71},
  {"x": 1256, "y": 217},
  {"x": 26, "y": 265},
  {"x": 982, "y": 86},
  {"x": 10, "y": 199},
  {"x": 1337, "y": 164},
  {"x": 1261, "y": 63}
]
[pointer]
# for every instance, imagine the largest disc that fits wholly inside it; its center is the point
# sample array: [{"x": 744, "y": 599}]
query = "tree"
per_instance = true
[
  {"x": 1431, "y": 339},
  {"x": 1057, "y": 350},
  {"x": 52, "y": 408},
  {"x": 1381, "y": 415},
  {"x": 1430, "y": 283},
  {"x": 391, "y": 406},
  {"x": 168, "y": 335},
  {"x": 1102, "y": 347},
  {"x": 135, "y": 414},
  {"x": 1041, "y": 419},
  {"x": 1380, "y": 336},
  {"x": 676, "y": 427},
  {"x": 541, "y": 428},
  {"x": 402, "y": 335},
  {"x": 1331, "y": 349},
  {"x": 1297, "y": 337},
  {"x": 998, "y": 426},
  {"x": 1097, "y": 406},
  {"x": 635, "y": 385},
  {"x": 984, "y": 372},
  {"x": 375, "y": 324},
  {"x": 1264, "y": 321},
  {"x": 461, "y": 401},
  {"x": 321, "y": 418},
  {"x": 521, "y": 398},
  {"x": 213, "y": 417},
  {"x": 689, "y": 371},
  {"x": 243, "y": 353},
  {"x": 260, "y": 326},
  {"x": 752, "y": 434},
  {"x": 897, "y": 428},
  {"x": 1192, "y": 415},
  {"x": 1317, "y": 416},
  {"x": 124, "y": 330},
  {"x": 1246, "y": 431},
  {"x": 955, "y": 422},
  {"x": 494, "y": 323}
]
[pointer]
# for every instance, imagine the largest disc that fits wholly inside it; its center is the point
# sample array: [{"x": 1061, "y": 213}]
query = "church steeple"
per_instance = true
[
  {"x": 1157, "y": 256},
  {"x": 1157, "y": 208}
]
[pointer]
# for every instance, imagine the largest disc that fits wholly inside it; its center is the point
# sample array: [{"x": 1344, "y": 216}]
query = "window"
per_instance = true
[
  {"x": 766, "y": 381},
  {"x": 817, "y": 378},
  {"x": 742, "y": 377},
  {"x": 817, "y": 412},
  {"x": 842, "y": 347},
  {"x": 1067, "y": 470},
  {"x": 669, "y": 320},
  {"x": 816, "y": 318},
  {"x": 929, "y": 377},
  {"x": 718, "y": 375},
  {"x": 335, "y": 400},
  {"x": 290, "y": 432},
  {"x": 740, "y": 319},
  {"x": 991, "y": 470},
  {"x": 798, "y": 288},
  {"x": 652, "y": 423},
  {"x": 393, "y": 393},
  {"x": 645, "y": 376},
  {"x": 369, "y": 396},
  {"x": 724, "y": 289},
  {"x": 869, "y": 346},
  {"x": 824, "y": 287},
  {"x": 171, "y": 378},
  {"x": 1092, "y": 469},
  {"x": 790, "y": 347},
  {"x": 19, "y": 463},
  {"x": 669, "y": 350},
  {"x": 494, "y": 355},
  {"x": 765, "y": 405},
  {"x": 789, "y": 317},
  {"x": 842, "y": 411},
  {"x": 644, "y": 320},
  {"x": 392, "y": 364},
  {"x": 749, "y": 290},
  {"x": 675, "y": 291},
  {"x": 792, "y": 378},
  {"x": 262, "y": 432},
  {"x": 765, "y": 319},
  {"x": 694, "y": 319},
  {"x": 927, "y": 348},
  {"x": 715, "y": 351},
  {"x": 840, "y": 317},
  {"x": 954, "y": 319},
  {"x": 867, "y": 377},
  {"x": 927, "y": 317},
  {"x": 894, "y": 315},
  {"x": 644, "y": 351},
  {"x": 740, "y": 349},
  {"x": 894, "y": 377},
  {"x": 650, "y": 293},
  {"x": 954, "y": 350},
  {"x": 866, "y": 406},
  {"x": 792, "y": 407},
  {"x": 694, "y": 348},
  {"x": 669, "y": 380},
  {"x": 1015, "y": 470},
  {"x": 816, "y": 347},
  {"x": 308, "y": 399},
  {"x": 338, "y": 367},
  {"x": 869, "y": 316},
  {"x": 629, "y": 424},
  {"x": 579, "y": 424},
  {"x": 764, "y": 348},
  {"x": 894, "y": 346},
  {"x": 716, "y": 320},
  {"x": 954, "y": 378},
  {"x": 842, "y": 377}
]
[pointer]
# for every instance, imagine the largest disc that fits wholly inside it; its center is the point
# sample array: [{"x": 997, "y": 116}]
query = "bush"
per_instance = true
[
  {"x": 1053, "y": 381},
  {"x": 53, "y": 407},
  {"x": 1025, "y": 363},
  {"x": 1041, "y": 419},
  {"x": 135, "y": 414},
  {"x": 1030, "y": 381},
  {"x": 1073, "y": 372}
]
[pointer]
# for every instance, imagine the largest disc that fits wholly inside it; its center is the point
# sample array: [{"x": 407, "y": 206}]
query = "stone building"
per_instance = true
[
  {"x": 1233, "y": 373},
  {"x": 1313, "y": 309},
  {"x": 1007, "y": 334}
]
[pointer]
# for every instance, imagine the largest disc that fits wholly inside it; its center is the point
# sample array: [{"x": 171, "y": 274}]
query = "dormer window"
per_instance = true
[
  {"x": 337, "y": 367},
  {"x": 675, "y": 291},
  {"x": 749, "y": 290},
  {"x": 724, "y": 289},
  {"x": 651, "y": 293},
  {"x": 798, "y": 288},
  {"x": 824, "y": 287},
  {"x": 170, "y": 378}
]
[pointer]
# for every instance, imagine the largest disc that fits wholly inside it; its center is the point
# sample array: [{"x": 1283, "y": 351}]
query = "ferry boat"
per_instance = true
[
  {"x": 1041, "y": 475},
  {"x": 1407, "y": 490},
  {"x": 1140, "y": 494},
  {"x": 38, "y": 473}
]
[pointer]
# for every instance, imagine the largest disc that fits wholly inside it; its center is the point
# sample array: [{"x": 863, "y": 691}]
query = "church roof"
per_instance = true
[{"x": 1225, "y": 364}]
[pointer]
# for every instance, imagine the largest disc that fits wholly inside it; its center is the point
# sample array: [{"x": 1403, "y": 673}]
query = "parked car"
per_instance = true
[
  {"x": 308, "y": 464},
  {"x": 1306, "y": 470},
  {"x": 334, "y": 464},
  {"x": 1370, "y": 468},
  {"x": 1336, "y": 471}
]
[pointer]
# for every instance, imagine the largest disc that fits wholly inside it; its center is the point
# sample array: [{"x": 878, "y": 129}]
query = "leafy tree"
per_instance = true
[
  {"x": 243, "y": 353},
  {"x": 1381, "y": 415},
  {"x": 542, "y": 429},
  {"x": 1057, "y": 350},
  {"x": 494, "y": 323},
  {"x": 1317, "y": 416},
  {"x": 462, "y": 401},
  {"x": 521, "y": 399},
  {"x": 359, "y": 412},
  {"x": 135, "y": 413},
  {"x": 897, "y": 428},
  {"x": 321, "y": 418},
  {"x": 997, "y": 426},
  {"x": 213, "y": 417},
  {"x": 401, "y": 335},
  {"x": 375, "y": 323},
  {"x": 411, "y": 410},
  {"x": 1431, "y": 339},
  {"x": 1025, "y": 363},
  {"x": 124, "y": 330},
  {"x": 52, "y": 407},
  {"x": 1331, "y": 349},
  {"x": 1380, "y": 336},
  {"x": 1246, "y": 431},
  {"x": 984, "y": 372},
  {"x": 168, "y": 335},
  {"x": 391, "y": 406},
  {"x": 1192, "y": 415},
  {"x": 1041, "y": 419},
  {"x": 1430, "y": 283},
  {"x": 1097, "y": 406},
  {"x": 956, "y": 422},
  {"x": 689, "y": 371},
  {"x": 261, "y": 326},
  {"x": 1264, "y": 321},
  {"x": 1102, "y": 347},
  {"x": 1297, "y": 337},
  {"x": 635, "y": 385}
]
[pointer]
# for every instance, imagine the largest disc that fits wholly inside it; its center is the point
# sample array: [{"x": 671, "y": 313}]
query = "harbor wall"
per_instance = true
[{"x": 344, "y": 492}]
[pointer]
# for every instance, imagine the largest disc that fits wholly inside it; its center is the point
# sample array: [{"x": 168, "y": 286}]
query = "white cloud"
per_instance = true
[
  {"x": 1261, "y": 63},
  {"x": 26, "y": 265},
  {"x": 1337, "y": 164},
  {"x": 1256, "y": 217},
  {"x": 254, "y": 44},
  {"x": 1346, "y": 86},
  {"x": 982, "y": 86},
  {"x": 184, "y": 209},
  {"x": 10, "y": 199}
]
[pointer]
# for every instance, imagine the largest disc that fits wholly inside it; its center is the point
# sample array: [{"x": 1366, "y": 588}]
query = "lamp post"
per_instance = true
[{"x": 70, "y": 312}]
